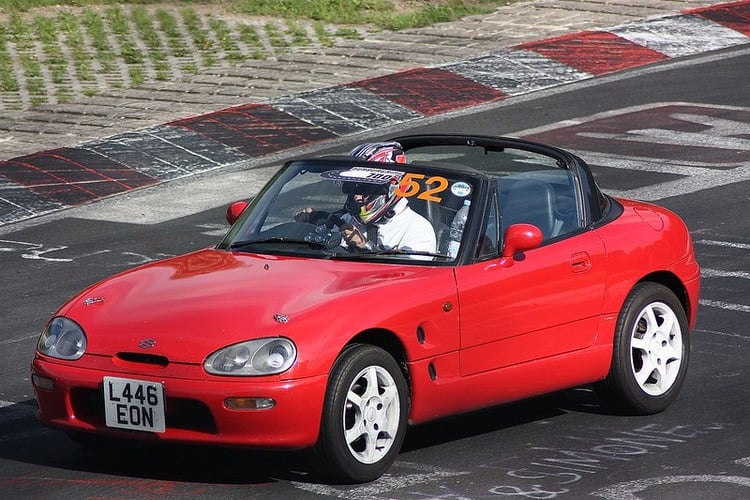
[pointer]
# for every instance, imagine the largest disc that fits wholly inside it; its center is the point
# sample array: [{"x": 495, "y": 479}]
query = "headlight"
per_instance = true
[
  {"x": 63, "y": 339},
  {"x": 254, "y": 357}
]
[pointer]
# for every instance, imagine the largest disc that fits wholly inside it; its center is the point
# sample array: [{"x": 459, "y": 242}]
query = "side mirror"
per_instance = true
[
  {"x": 519, "y": 238},
  {"x": 235, "y": 210}
]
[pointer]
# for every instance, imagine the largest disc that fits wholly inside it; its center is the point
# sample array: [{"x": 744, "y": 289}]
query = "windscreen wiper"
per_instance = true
[
  {"x": 392, "y": 251},
  {"x": 276, "y": 240},
  {"x": 402, "y": 251}
]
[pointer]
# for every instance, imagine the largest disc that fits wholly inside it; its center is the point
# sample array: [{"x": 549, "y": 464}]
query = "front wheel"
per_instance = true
[
  {"x": 364, "y": 415},
  {"x": 650, "y": 353}
]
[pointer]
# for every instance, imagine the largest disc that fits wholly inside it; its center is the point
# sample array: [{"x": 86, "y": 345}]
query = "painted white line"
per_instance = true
[
  {"x": 385, "y": 484},
  {"x": 718, "y": 273},
  {"x": 730, "y": 244},
  {"x": 674, "y": 138},
  {"x": 725, "y": 305},
  {"x": 627, "y": 490},
  {"x": 624, "y": 111},
  {"x": 13, "y": 341},
  {"x": 718, "y": 133},
  {"x": 724, "y": 334},
  {"x": 692, "y": 184},
  {"x": 661, "y": 166}
]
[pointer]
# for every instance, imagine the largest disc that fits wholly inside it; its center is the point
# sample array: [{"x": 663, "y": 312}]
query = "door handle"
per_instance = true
[{"x": 580, "y": 262}]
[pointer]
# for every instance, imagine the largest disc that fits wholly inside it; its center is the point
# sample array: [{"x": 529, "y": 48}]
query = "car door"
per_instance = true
[{"x": 549, "y": 301}]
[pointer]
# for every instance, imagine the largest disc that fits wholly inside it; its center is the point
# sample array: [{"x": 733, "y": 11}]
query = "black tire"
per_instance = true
[
  {"x": 650, "y": 354},
  {"x": 346, "y": 451}
]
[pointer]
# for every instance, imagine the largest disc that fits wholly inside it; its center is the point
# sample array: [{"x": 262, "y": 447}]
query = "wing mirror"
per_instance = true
[
  {"x": 519, "y": 238},
  {"x": 235, "y": 210}
]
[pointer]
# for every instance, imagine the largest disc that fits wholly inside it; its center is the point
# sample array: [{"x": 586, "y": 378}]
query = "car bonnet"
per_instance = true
[{"x": 186, "y": 307}]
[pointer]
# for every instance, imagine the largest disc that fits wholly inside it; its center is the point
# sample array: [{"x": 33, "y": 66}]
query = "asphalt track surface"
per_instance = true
[{"x": 675, "y": 133}]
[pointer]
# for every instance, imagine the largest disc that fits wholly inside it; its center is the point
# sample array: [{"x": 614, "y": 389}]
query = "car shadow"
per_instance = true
[
  {"x": 25, "y": 440},
  {"x": 496, "y": 418}
]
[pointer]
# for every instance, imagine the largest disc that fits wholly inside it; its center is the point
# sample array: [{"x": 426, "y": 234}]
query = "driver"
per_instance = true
[
  {"x": 376, "y": 217},
  {"x": 383, "y": 218}
]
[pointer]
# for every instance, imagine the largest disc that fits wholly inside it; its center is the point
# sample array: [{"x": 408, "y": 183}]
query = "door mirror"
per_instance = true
[
  {"x": 519, "y": 238},
  {"x": 235, "y": 210}
]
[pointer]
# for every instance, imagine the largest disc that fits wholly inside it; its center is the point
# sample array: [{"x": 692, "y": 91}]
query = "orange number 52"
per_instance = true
[{"x": 410, "y": 186}]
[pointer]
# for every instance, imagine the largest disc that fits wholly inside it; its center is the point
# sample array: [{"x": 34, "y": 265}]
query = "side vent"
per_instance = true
[
  {"x": 420, "y": 335},
  {"x": 431, "y": 370}
]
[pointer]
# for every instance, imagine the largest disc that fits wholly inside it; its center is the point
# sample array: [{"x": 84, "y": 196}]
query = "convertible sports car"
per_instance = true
[{"x": 351, "y": 298}]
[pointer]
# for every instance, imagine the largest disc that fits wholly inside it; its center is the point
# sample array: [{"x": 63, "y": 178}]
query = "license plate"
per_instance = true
[{"x": 134, "y": 404}]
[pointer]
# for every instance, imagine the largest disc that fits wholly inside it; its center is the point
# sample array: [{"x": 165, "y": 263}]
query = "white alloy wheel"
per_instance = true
[
  {"x": 656, "y": 344},
  {"x": 650, "y": 351},
  {"x": 364, "y": 417},
  {"x": 371, "y": 414}
]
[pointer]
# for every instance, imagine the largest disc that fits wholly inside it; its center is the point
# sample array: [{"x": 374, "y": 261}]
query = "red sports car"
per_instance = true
[{"x": 351, "y": 298}]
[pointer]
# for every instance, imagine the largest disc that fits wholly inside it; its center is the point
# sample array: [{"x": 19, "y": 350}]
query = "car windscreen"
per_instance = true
[{"x": 402, "y": 211}]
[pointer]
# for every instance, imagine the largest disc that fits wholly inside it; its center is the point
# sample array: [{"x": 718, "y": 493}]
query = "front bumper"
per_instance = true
[{"x": 195, "y": 409}]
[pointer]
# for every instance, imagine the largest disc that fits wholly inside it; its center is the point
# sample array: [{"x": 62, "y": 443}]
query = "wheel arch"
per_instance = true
[
  {"x": 390, "y": 343},
  {"x": 673, "y": 282},
  {"x": 386, "y": 340}
]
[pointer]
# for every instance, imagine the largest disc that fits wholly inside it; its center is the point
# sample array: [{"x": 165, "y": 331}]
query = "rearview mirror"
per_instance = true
[
  {"x": 235, "y": 210},
  {"x": 519, "y": 238}
]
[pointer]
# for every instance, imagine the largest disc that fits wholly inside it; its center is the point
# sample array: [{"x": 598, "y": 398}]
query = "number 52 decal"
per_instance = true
[{"x": 434, "y": 185}]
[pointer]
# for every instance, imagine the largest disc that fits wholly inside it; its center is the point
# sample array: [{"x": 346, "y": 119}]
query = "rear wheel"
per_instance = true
[
  {"x": 651, "y": 352},
  {"x": 364, "y": 416}
]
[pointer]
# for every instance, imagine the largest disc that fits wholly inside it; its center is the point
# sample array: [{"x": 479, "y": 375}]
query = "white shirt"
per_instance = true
[{"x": 406, "y": 230}]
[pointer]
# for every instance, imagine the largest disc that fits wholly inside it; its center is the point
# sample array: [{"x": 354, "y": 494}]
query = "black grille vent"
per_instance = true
[{"x": 149, "y": 359}]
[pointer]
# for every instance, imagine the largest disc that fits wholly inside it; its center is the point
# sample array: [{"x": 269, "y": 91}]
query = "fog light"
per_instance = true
[
  {"x": 249, "y": 403},
  {"x": 43, "y": 382}
]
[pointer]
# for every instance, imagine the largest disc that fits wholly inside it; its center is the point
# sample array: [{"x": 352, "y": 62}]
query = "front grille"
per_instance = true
[
  {"x": 137, "y": 357},
  {"x": 181, "y": 413}
]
